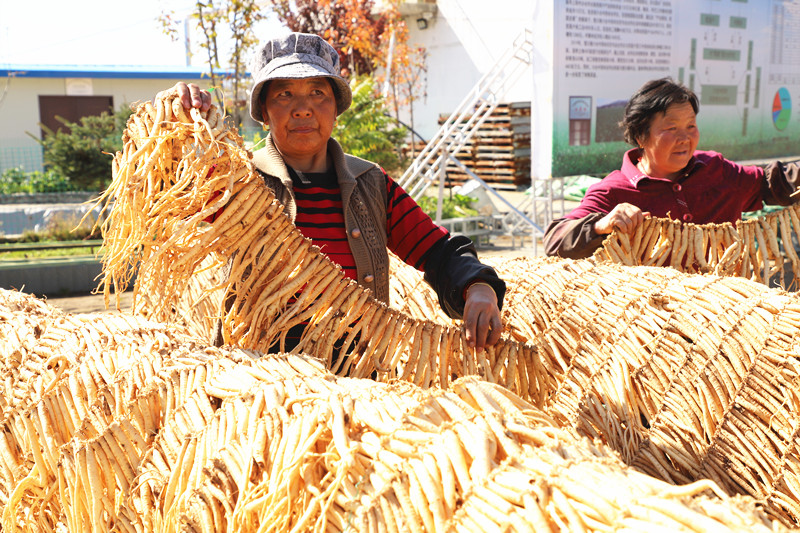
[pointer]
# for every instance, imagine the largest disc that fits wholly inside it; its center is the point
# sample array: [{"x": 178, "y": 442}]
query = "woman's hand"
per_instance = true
[
  {"x": 624, "y": 217},
  {"x": 193, "y": 96},
  {"x": 481, "y": 316}
]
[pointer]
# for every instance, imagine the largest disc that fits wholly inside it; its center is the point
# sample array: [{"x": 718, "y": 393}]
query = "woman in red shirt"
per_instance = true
[{"x": 666, "y": 176}]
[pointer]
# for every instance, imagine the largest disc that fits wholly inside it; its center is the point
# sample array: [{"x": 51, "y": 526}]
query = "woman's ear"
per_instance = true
[{"x": 264, "y": 115}]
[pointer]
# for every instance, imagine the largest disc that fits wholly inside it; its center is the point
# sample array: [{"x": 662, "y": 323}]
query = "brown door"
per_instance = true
[{"x": 72, "y": 108}]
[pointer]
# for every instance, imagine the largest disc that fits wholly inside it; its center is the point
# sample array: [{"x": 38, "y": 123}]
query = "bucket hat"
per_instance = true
[{"x": 297, "y": 56}]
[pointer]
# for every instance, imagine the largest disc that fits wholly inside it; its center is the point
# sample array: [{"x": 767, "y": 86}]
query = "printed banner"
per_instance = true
[{"x": 741, "y": 57}]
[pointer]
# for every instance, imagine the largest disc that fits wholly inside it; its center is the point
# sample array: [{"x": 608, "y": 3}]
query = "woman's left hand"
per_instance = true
[
  {"x": 191, "y": 95},
  {"x": 482, "y": 322}
]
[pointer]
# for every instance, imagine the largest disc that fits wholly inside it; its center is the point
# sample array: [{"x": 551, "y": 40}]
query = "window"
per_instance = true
[
  {"x": 580, "y": 132},
  {"x": 580, "y": 120}
]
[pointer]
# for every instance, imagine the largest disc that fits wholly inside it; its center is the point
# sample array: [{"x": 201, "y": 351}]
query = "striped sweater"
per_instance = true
[{"x": 320, "y": 217}]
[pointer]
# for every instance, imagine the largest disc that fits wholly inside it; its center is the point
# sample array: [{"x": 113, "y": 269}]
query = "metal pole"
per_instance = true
[
  {"x": 187, "y": 41},
  {"x": 441, "y": 174},
  {"x": 534, "y": 204}
]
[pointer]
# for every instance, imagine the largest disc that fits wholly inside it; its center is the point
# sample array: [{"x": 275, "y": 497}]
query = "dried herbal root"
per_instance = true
[
  {"x": 187, "y": 200},
  {"x": 222, "y": 439},
  {"x": 756, "y": 249},
  {"x": 687, "y": 376}
]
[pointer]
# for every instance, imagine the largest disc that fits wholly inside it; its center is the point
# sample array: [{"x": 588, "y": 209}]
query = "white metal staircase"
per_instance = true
[{"x": 428, "y": 168}]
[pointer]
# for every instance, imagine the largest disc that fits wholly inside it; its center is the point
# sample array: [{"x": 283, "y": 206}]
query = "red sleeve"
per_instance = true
[
  {"x": 411, "y": 232},
  {"x": 599, "y": 198},
  {"x": 751, "y": 183}
]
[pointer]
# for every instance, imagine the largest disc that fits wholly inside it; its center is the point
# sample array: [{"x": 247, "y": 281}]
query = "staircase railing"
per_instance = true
[{"x": 429, "y": 165}]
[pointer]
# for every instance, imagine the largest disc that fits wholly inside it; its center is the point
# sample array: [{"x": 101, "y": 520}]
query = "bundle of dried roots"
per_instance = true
[
  {"x": 187, "y": 199},
  {"x": 756, "y": 249}
]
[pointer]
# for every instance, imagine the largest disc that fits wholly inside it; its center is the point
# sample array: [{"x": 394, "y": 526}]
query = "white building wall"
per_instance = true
[
  {"x": 464, "y": 39},
  {"x": 19, "y": 110}
]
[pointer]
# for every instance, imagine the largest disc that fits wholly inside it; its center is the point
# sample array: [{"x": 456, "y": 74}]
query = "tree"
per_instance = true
[
  {"x": 219, "y": 22},
  {"x": 348, "y": 25},
  {"x": 407, "y": 81},
  {"x": 370, "y": 43}
]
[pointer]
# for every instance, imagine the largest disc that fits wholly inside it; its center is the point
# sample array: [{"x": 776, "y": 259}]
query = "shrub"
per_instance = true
[
  {"x": 16, "y": 180},
  {"x": 453, "y": 206},
  {"x": 63, "y": 229},
  {"x": 82, "y": 152},
  {"x": 366, "y": 130}
]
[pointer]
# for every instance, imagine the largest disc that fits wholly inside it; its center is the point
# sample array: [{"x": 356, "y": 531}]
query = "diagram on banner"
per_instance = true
[{"x": 782, "y": 108}]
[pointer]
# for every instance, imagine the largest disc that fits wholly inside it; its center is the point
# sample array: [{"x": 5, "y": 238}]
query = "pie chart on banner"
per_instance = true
[{"x": 781, "y": 108}]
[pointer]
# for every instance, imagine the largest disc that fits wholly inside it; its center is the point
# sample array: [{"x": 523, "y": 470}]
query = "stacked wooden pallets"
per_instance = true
[{"x": 500, "y": 151}]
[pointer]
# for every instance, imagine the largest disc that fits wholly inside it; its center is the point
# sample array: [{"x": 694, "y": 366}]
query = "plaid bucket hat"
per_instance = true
[{"x": 297, "y": 56}]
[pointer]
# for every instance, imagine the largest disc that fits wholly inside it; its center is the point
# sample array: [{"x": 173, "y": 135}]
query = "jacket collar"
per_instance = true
[
  {"x": 634, "y": 175},
  {"x": 269, "y": 161}
]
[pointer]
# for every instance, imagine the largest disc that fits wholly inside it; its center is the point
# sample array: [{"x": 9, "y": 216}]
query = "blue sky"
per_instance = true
[{"x": 91, "y": 32}]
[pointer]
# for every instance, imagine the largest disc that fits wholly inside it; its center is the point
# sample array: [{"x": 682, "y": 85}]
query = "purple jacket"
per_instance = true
[{"x": 712, "y": 189}]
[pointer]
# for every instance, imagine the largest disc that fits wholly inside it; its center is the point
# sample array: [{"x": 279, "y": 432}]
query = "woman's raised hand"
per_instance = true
[
  {"x": 193, "y": 96},
  {"x": 624, "y": 217}
]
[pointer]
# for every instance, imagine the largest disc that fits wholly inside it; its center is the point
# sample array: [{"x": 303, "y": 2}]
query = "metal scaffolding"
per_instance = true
[{"x": 530, "y": 217}]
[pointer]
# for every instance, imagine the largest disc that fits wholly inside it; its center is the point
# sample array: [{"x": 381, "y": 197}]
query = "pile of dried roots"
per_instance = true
[
  {"x": 688, "y": 377},
  {"x": 115, "y": 423}
]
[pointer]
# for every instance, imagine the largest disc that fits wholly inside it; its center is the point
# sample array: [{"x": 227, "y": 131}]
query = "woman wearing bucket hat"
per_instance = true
[{"x": 348, "y": 206}]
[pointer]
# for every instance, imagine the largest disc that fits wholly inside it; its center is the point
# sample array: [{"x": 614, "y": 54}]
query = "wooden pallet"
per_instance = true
[{"x": 499, "y": 153}]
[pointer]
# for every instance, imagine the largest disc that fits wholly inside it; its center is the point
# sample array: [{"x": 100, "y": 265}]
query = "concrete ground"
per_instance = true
[{"x": 89, "y": 303}]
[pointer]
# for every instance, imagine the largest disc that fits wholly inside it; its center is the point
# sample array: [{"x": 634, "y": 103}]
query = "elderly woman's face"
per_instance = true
[
  {"x": 300, "y": 114},
  {"x": 671, "y": 142}
]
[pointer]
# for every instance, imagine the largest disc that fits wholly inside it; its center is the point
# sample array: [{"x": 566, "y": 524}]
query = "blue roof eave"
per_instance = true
[{"x": 102, "y": 71}]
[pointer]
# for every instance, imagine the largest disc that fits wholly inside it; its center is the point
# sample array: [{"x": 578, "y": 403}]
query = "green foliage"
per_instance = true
[
  {"x": 595, "y": 159},
  {"x": 16, "y": 180},
  {"x": 255, "y": 140},
  {"x": 221, "y": 21},
  {"x": 82, "y": 151},
  {"x": 454, "y": 206},
  {"x": 366, "y": 130},
  {"x": 43, "y": 254}
]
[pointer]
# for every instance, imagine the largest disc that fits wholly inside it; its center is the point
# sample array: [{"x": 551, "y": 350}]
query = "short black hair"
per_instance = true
[{"x": 652, "y": 98}]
